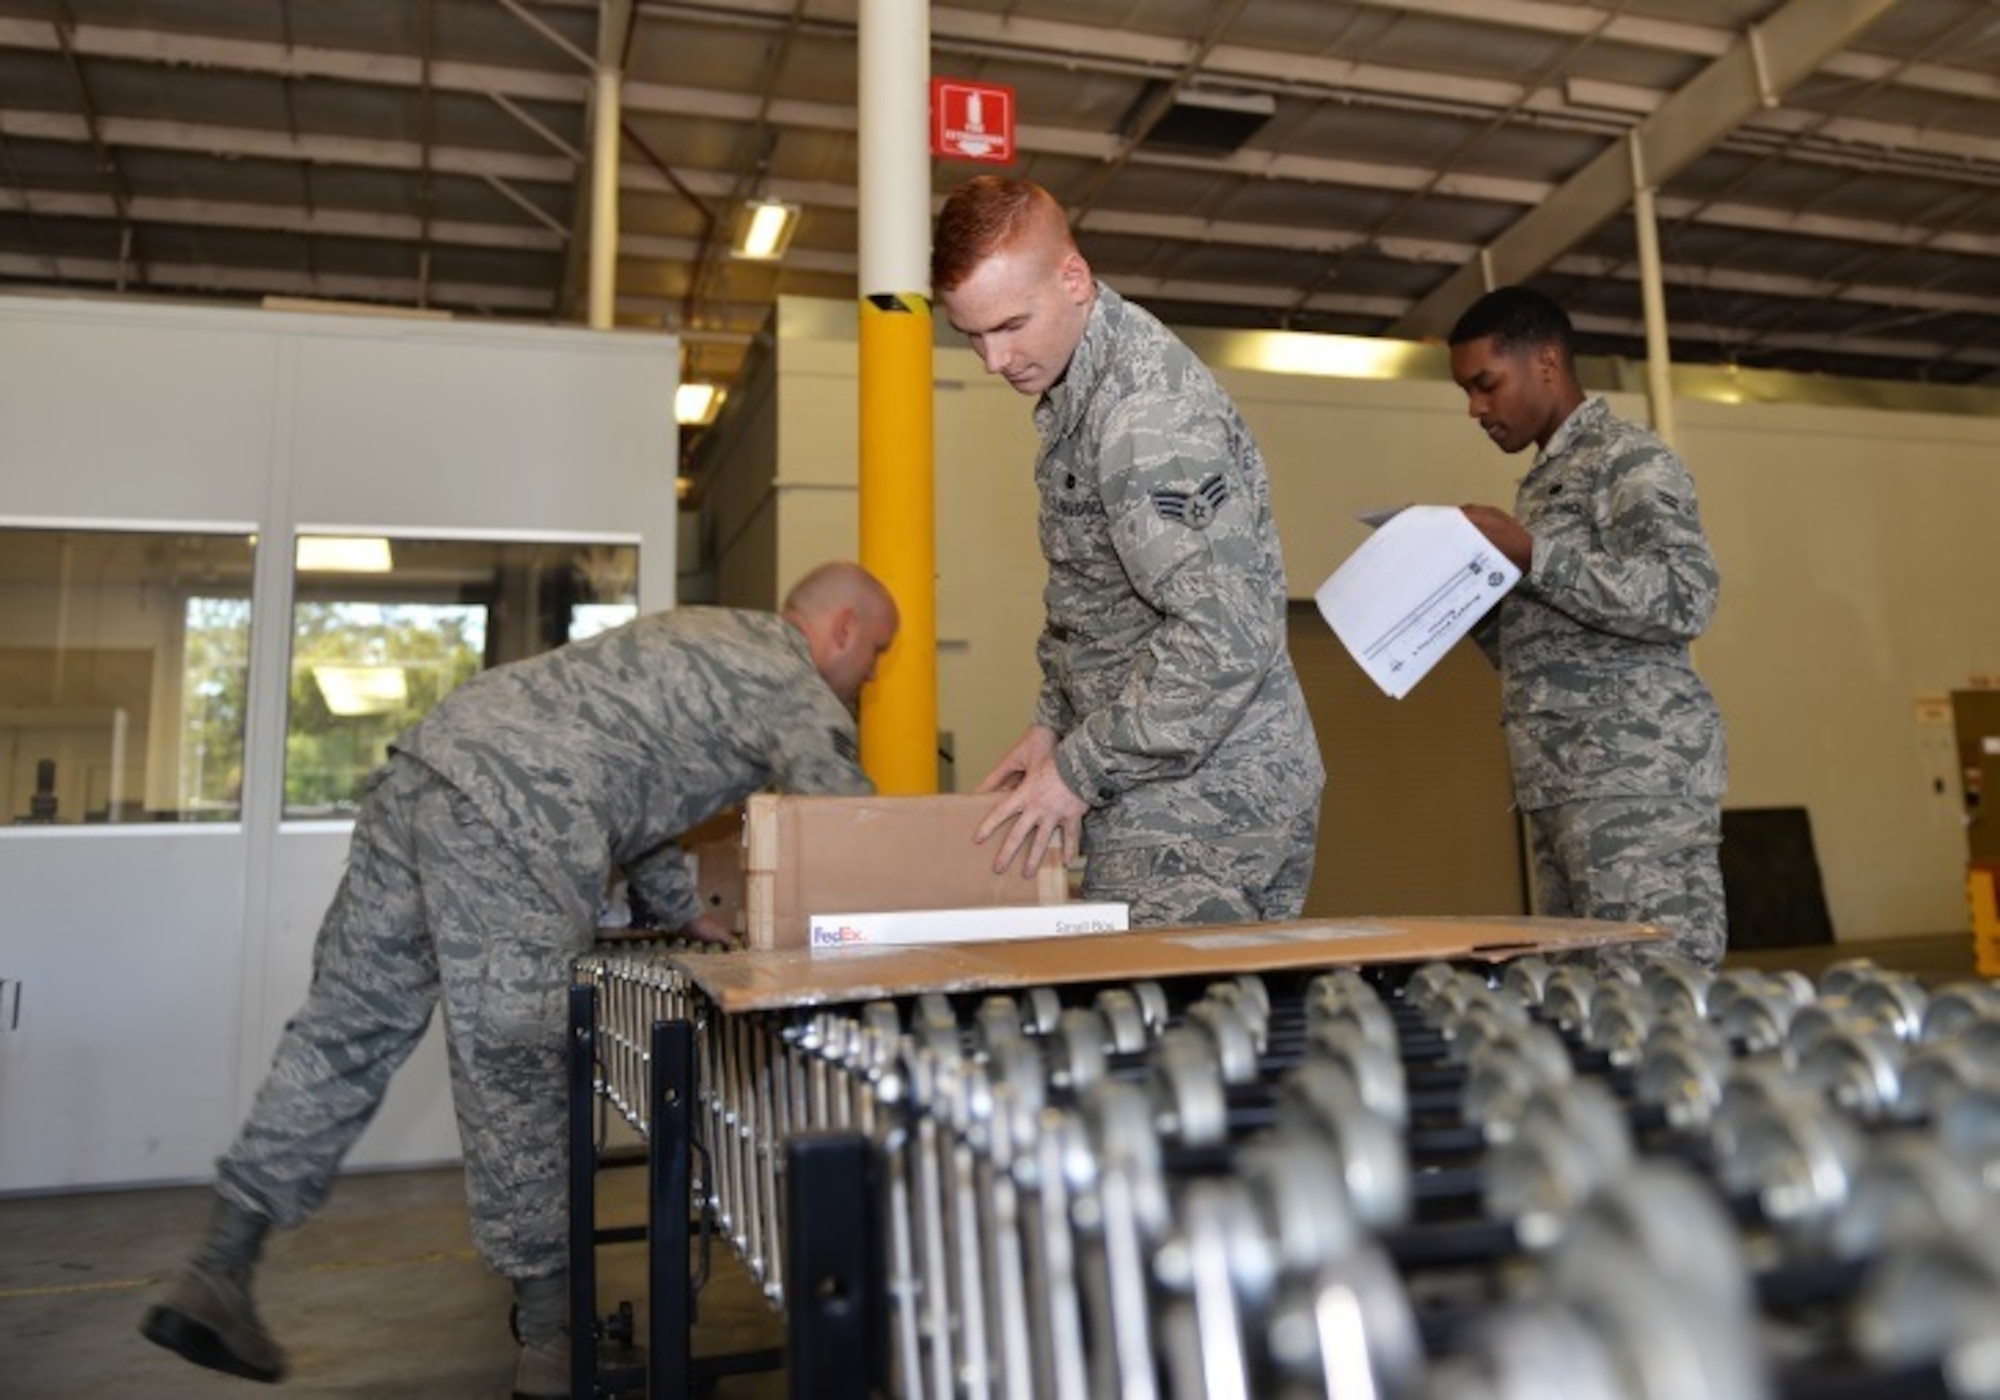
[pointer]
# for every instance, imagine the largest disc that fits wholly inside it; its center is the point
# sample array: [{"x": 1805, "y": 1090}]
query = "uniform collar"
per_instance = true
[
  {"x": 1061, "y": 408},
  {"x": 1587, "y": 415}
]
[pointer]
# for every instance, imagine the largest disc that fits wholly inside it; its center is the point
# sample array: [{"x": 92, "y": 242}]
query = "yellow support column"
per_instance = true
[{"x": 899, "y": 729}]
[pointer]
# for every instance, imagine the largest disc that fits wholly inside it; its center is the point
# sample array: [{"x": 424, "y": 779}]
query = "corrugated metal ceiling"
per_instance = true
[{"x": 431, "y": 153}]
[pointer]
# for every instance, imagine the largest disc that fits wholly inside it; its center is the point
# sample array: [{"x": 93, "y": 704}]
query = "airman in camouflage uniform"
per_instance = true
[
  {"x": 478, "y": 861},
  {"x": 1170, "y": 723},
  {"x": 1617, "y": 745}
]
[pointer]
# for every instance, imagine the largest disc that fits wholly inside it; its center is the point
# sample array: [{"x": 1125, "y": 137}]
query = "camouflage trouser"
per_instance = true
[
  {"x": 433, "y": 907},
  {"x": 1242, "y": 878},
  {"x": 1650, "y": 860}
]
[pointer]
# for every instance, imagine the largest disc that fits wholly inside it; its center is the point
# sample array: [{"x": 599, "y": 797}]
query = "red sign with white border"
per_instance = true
[{"x": 972, "y": 121}]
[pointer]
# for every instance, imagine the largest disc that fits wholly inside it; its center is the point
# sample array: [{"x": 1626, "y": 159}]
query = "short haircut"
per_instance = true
[
  {"x": 982, "y": 216},
  {"x": 1517, "y": 318},
  {"x": 836, "y": 585}
]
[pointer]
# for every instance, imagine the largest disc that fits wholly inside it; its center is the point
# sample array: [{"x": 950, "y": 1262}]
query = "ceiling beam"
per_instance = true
[
  {"x": 1588, "y": 104},
  {"x": 240, "y": 142},
  {"x": 1584, "y": 105},
  {"x": 106, "y": 161},
  {"x": 495, "y": 299},
  {"x": 252, "y": 282},
  {"x": 237, "y": 143},
  {"x": 1767, "y": 62},
  {"x": 1683, "y": 37},
  {"x": 249, "y": 284},
  {"x": 318, "y": 221},
  {"x": 549, "y": 236}
]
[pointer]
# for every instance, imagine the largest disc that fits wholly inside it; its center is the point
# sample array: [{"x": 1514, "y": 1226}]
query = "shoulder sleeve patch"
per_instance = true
[{"x": 1196, "y": 508}]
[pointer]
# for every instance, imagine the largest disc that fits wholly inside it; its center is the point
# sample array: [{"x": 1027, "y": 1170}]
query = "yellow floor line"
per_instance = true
[
  {"x": 55, "y": 1290},
  {"x": 127, "y": 1285}
]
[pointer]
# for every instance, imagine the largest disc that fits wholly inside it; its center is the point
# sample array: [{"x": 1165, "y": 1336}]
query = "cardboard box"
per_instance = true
[
  {"x": 834, "y": 933},
  {"x": 804, "y": 855},
  {"x": 774, "y": 980},
  {"x": 715, "y": 850}
]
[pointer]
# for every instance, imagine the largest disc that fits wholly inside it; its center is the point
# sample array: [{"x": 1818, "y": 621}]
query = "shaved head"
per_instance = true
[{"x": 848, "y": 618}]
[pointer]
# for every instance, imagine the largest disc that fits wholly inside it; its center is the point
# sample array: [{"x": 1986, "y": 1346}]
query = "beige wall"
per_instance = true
[
  {"x": 1856, "y": 548},
  {"x": 1858, "y": 555},
  {"x": 739, "y": 507}
]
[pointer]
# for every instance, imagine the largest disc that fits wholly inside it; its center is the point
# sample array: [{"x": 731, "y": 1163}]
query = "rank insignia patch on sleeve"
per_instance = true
[
  {"x": 844, "y": 744},
  {"x": 1196, "y": 508}
]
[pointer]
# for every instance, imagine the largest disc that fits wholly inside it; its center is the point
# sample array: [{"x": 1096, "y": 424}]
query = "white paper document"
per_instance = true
[{"x": 1415, "y": 587}]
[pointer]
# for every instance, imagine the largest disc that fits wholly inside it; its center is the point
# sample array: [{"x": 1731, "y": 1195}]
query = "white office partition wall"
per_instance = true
[{"x": 147, "y": 970}]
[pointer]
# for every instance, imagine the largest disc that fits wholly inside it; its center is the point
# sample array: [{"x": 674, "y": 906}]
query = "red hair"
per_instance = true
[{"x": 983, "y": 216}]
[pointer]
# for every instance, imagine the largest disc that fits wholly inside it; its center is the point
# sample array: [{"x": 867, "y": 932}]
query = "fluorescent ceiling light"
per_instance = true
[
  {"x": 343, "y": 554},
  {"x": 695, "y": 404},
  {"x": 768, "y": 225},
  {"x": 361, "y": 690}
]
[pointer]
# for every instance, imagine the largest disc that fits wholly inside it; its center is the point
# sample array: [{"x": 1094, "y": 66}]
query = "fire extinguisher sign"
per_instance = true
[{"x": 972, "y": 121}]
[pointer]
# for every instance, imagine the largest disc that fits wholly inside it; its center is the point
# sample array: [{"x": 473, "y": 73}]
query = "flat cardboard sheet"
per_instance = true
[{"x": 773, "y": 980}]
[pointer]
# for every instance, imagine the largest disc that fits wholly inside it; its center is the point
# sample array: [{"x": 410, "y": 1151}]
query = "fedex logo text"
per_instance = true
[{"x": 836, "y": 935}]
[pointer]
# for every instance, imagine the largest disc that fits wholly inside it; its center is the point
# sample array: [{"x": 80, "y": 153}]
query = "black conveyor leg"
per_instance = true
[
  {"x": 582, "y": 1191},
  {"x": 670, "y": 1292},
  {"x": 835, "y": 1303}
]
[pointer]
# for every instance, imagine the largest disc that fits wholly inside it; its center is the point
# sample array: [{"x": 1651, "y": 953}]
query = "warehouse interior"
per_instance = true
[{"x": 298, "y": 274}]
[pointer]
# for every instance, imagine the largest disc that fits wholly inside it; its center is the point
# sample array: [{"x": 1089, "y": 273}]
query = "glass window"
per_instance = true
[
  {"x": 124, "y": 666},
  {"x": 384, "y": 628}
]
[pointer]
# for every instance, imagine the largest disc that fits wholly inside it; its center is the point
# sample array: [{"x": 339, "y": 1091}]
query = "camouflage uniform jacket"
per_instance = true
[
  {"x": 1601, "y": 699},
  {"x": 1165, "y": 673},
  {"x": 603, "y": 751}
]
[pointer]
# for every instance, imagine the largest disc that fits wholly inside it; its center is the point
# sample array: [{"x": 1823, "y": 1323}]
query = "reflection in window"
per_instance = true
[
  {"x": 124, "y": 663},
  {"x": 383, "y": 629}
]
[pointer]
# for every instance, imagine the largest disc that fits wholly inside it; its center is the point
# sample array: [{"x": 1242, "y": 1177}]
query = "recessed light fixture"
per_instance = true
[
  {"x": 766, "y": 231},
  {"x": 695, "y": 404},
  {"x": 344, "y": 554}
]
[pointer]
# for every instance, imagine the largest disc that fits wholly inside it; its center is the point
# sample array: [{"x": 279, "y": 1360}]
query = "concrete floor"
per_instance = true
[{"x": 381, "y": 1295}]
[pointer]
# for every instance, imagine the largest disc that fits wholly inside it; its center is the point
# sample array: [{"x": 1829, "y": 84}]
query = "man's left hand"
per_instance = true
[
  {"x": 1043, "y": 811},
  {"x": 1505, "y": 533},
  {"x": 706, "y": 928}
]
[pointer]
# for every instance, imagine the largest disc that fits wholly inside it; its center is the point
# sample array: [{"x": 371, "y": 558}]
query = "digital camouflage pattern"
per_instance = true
[
  {"x": 1232, "y": 879},
  {"x": 1600, "y": 697},
  {"x": 1646, "y": 860},
  {"x": 1165, "y": 672},
  {"x": 608, "y": 748},
  {"x": 478, "y": 859}
]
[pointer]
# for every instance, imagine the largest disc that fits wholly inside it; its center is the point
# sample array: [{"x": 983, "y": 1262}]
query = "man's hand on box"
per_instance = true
[
  {"x": 1035, "y": 746},
  {"x": 1042, "y": 810},
  {"x": 706, "y": 928}
]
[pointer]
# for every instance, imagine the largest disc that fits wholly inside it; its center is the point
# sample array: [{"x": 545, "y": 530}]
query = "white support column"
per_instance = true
[
  {"x": 1653, "y": 295},
  {"x": 604, "y": 198},
  {"x": 898, "y": 488},
  {"x": 895, "y": 119}
]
